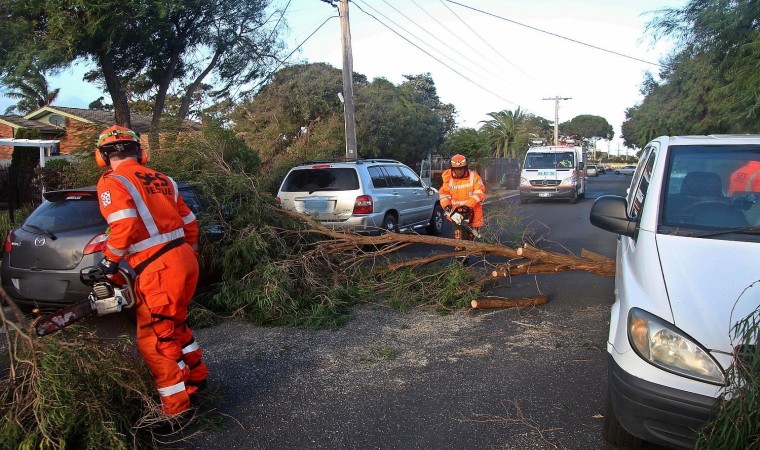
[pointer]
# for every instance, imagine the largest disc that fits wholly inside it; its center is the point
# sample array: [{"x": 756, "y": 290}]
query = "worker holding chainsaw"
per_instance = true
[
  {"x": 156, "y": 233},
  {"x": 462, "y": 194}
]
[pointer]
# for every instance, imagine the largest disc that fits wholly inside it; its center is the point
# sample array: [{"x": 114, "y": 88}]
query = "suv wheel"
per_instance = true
[
  {"x": 436, "y": 221},
  {"x": 390, "y": 223}
]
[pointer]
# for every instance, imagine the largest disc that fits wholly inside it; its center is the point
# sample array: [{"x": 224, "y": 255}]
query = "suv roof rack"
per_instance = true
[{"x": 343, "y": 160}]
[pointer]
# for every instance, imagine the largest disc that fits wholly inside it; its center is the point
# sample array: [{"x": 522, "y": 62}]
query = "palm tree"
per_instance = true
[
  {"x": 30, "y": 89},
  {"x": 500, "y": 131}
]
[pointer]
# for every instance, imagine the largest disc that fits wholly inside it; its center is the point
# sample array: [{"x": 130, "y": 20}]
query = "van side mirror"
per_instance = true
[{"x": 609, "y": 213}]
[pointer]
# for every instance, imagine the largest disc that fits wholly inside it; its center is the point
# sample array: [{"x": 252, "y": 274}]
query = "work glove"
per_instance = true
[
  {"x": 457, "y": 218},
  {"x": 108, "y": 267},
  {"x": 448, "y": 209}
]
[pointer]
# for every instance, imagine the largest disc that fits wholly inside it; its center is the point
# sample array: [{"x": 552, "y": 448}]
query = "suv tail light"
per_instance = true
[
  {"x": 8, "y": 245},
  {"x": 363, "y": 205},
  {"x": 96, "y": 244}
]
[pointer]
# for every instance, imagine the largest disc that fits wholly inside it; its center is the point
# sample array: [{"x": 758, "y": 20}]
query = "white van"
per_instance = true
[
  {"x": 688, "y": 259},
  {"x": 556, "y": 171}
]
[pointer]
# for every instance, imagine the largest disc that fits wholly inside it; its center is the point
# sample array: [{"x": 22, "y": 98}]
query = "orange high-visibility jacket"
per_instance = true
[
  {"x": 468, "y": 191},
  {"x": 746, "y": 179},
  {"x": 144, "y": 211}
]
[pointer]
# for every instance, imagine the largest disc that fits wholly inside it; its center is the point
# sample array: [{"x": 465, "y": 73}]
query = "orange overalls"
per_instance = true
[
  {"x": 146, "y": 213},
  {"x": 746, "y": 179},
  {"x": 468, "y": 191}
]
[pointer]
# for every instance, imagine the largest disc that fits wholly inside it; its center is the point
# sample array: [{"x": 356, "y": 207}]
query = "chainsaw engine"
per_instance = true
[{"x": 107, "y": 299}]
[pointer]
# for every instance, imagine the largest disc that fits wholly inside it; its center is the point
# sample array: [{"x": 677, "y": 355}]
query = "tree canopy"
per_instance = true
[
  {"x": 709, "y": 84},
  {"x": 298, "y": 115},
  {"x": 160, "y": 46},
  {"x": 587, "y": 127}
]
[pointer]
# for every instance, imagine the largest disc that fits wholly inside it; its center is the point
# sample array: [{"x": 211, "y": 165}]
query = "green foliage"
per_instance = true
[
  {"x": 468, "y": 142},
  {"x": 298, "y": 116},
  {"x": 501, "y": 131},
  {"x": 71, "y": 391},
  {"x": 709, "y": 85},
  {"x": 587, "y": 126},
  {"x": 737, "y": 422},
  {"x": 78, "y": 171},
  {"x": 19, "y": 215},
  {"x": 448, "y": 287},
  {"x": 26, "y": 158},
  {"x": 30, "y": 89}
]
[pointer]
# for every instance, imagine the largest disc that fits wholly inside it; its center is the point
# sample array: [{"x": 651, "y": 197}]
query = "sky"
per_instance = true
[{"x": 487, "y": 56}]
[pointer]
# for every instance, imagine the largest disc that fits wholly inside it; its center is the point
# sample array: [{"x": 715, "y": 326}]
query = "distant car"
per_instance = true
[
  {"x": 627, "y": 170},
  {"x": 592, "y": 170},
  {"x": 688, "y": 250},
  {"x": 607, "y": 168},
  {"x": 600, "y": 169},
  {"x": 367, "y": 196},
  {"x": 66, "y": 233}
]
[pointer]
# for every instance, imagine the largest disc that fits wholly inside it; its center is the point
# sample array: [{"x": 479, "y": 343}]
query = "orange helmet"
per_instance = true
[
  {"x": 118, "y": 139},
  {"x": 458, "y": 161}
]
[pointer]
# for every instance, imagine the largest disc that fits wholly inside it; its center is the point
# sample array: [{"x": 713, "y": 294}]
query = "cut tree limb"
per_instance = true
[
  {"x": 509, "y": 302},
  {"x": 527, "y": 254}
]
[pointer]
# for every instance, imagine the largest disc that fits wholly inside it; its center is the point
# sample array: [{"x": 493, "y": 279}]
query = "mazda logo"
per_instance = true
[{"x": 39, "y": 242}]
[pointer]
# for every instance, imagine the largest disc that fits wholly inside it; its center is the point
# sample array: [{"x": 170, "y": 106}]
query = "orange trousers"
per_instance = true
[{"x": 164, "y": 290}]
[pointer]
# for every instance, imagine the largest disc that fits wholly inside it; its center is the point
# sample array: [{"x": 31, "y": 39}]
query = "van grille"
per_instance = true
[{"x": 547, "y": 183}]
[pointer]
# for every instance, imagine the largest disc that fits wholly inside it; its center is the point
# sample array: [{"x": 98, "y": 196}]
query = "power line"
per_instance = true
[
  {"x": 444, "y": 44},
  {"x": 486, "y": 42},
  {"x": 444, "y": 55},
  {"x": 438, "y": 60},
  {"x": 554, "y": 34}
]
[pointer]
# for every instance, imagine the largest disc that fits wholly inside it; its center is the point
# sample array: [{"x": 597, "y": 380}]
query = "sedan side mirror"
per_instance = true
[
  {"x": 430, "y": 191},
  {"x": 609, "y": 213}
]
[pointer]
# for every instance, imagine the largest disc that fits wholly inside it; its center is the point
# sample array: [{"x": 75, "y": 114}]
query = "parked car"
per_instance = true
[
  {"x": 626, "y": 170},
  {"x": 367, "y": 196},
  {"x": 592, "y": 170},
  {"x": 687, "y": 259},
  {"x": 607, "y": 168},
  {"x": 66, "y": 233}
]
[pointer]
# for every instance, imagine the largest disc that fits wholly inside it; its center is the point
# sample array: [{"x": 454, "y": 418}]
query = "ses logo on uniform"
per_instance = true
[
  {"x": 151, "y": 187},
  {"x": 105, "y": 198}
]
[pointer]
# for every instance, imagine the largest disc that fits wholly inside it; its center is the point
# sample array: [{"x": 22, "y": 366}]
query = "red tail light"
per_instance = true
[
  {"x": 363, "y": 205},
  {"x": 8, "y": 245},
  {"x": 96, "y": 244},
  {"x": 278, "y": 201}
]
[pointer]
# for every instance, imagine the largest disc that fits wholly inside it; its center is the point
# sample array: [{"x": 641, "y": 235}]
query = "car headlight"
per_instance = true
[
  {"x": 524, "y": 181},
  {"x": 569, "y": 181},
  {"x": 663, "y": 345}
]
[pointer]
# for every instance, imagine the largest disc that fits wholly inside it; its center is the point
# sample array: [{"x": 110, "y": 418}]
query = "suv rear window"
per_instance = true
[
  {"x": 325, "y": 179},
  {"x": 75, "y": 211}
]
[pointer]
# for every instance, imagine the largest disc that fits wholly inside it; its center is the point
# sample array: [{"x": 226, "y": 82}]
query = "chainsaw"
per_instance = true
[
  {"x": 108, "y": 296},
  {"x": 459, "y": 217}
]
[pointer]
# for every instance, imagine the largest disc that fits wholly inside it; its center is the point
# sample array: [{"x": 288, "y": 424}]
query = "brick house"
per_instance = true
[{"x": 76, "y": 128}]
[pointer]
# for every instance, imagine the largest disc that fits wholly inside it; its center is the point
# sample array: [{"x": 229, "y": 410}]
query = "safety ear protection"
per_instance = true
[{"x": 101, "y": 157}]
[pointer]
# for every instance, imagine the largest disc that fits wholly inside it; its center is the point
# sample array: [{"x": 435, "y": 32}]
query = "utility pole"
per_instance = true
[
  {"x": 556, "y": 114},
  {"x": 348, "y": 81}
]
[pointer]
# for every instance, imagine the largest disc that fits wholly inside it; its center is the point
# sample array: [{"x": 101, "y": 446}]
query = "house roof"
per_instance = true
[
  {"x": 140, "y": 122},
  {"x": 15, "y": 121}
]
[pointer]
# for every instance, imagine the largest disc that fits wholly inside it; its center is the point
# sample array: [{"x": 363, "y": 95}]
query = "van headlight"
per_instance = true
[
  {"x": 524, "y": 181},
  {"x": 663, "y": 345},
  {"x": 569, "y": 181}
]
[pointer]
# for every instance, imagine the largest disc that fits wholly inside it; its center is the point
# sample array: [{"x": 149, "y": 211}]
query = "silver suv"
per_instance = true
[{"x": 367, "y": 196}]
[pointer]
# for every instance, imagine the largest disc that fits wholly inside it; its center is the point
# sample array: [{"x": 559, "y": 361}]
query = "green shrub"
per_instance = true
[
  {"x": 71, "y": 391},
  {"x": 736, "y": 424}
]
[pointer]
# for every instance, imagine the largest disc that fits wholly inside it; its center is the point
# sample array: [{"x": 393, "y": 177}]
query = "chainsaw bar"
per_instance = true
[{"x": 63, "y": 318}]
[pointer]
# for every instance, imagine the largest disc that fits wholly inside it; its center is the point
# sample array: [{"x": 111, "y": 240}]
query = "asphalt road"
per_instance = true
[{"x": 518, "y": 378}]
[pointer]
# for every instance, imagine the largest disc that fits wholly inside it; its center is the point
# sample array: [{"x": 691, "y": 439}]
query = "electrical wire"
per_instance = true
[
  {"x": 554, "y": 34},
  {"x": 444, "y": 55},
  {"x": 475, "y": 63},
  {"x": 432, "y": 56},
  {"x": 487, "y": 43}
]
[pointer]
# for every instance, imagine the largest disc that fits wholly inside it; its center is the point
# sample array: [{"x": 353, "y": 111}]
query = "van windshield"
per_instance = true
[
  {"x": 712, "y": 188},
  {"x": 562, "y": 160}
]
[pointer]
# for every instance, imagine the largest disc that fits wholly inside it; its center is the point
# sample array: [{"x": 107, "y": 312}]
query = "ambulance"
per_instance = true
[{"x": 553, "y": 172}]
